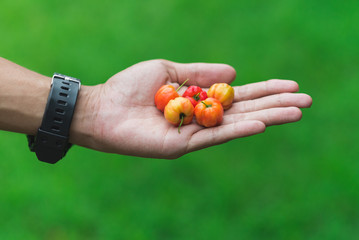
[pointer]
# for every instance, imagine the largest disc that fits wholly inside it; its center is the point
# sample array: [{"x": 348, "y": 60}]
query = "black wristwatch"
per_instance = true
[{"x": 52, "y": 140}]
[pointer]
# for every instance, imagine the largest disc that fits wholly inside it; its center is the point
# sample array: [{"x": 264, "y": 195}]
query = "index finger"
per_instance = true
[{"x": 261, "y": 89}]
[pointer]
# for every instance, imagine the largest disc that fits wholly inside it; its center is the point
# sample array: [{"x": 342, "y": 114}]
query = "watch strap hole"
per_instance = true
[
  {"x": 60, "y": 111},
  {"x": 62, "y": 102},
  {"x": 63, "y": 94},
  {"x": 58, "y": 120},
  {"x": 55, "y": 128}
]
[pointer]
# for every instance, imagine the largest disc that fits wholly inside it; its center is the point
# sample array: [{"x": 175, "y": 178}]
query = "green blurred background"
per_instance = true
[{"x": 297, "y": 181}]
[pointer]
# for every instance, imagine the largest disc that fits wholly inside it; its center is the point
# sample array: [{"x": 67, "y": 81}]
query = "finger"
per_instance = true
[
  {"x": 213, "y": 136},
  {"x": 201, "y": 74},
  {"x": 300, "y": 100},
  {"x": 273, "y": 116},
  {"x": 262, "y": 89}
]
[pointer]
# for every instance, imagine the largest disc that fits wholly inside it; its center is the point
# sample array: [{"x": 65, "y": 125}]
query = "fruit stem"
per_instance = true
[
  {"x": 196, "y": 97},
  {"x": 182, "y": 84},
  {"x": 207, "y": 106},
  {"x": 179, "y": 127}
]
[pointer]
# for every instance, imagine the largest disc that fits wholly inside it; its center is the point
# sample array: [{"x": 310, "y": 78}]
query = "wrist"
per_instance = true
[{"x": 82, "y": 126}]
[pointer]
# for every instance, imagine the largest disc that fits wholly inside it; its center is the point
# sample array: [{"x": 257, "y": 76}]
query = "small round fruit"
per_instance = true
[
  {"x": 222, "y": 92},
  {"x": 209, "y": 112},
  {"x": 179, "y": 111},
  {"x": 195, "y": 94},
  {"x": 164, "y": 95}
]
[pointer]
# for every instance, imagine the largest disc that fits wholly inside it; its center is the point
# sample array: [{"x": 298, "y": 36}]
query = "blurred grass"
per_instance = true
[{"x": 298, "y": 181}]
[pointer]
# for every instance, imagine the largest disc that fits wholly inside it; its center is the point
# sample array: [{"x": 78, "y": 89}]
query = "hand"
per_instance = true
[{"x": 125, "y": 120}]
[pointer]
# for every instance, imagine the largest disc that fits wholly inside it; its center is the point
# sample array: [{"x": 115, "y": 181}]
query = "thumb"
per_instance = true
[{"x": 201, "y": 74}]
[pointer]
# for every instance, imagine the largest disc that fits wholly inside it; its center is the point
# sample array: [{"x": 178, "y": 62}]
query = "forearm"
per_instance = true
[{"x": 23, "y": 98}]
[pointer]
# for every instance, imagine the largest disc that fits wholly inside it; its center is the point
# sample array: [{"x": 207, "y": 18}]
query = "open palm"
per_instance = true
[{"x": 127, "y": 121}]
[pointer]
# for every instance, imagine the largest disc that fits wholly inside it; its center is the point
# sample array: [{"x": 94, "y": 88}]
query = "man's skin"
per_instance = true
[{"x": 120, "y": 116}]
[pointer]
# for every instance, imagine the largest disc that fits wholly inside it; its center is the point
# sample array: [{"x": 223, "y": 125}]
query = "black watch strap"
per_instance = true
[{"x": 51, "y": 142}]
